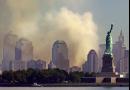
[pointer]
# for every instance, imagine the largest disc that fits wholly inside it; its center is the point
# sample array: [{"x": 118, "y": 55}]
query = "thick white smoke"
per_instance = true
[{"x": 78, "y": 31}]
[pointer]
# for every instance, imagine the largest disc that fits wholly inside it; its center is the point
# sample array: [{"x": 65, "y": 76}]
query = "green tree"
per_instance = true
[
  {"x": 75, "y": 76},
  {"x": 20, "y": 77},
  {"x": 7, "y": 76},
  {"x": 31, "y": 76}
]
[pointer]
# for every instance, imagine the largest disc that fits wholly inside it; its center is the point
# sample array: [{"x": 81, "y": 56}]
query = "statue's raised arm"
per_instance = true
[{"x": 111, "y": 28}]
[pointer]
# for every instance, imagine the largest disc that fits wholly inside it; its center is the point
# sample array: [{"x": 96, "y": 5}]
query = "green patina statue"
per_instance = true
[{"x": 108, "y": 49}]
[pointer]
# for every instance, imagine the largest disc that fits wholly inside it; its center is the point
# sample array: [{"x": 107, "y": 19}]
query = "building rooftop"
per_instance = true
[{"x": 60, "y": 42}]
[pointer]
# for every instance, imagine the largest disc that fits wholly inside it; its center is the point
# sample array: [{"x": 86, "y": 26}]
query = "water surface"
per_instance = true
[{"x": 64, "y": 88}]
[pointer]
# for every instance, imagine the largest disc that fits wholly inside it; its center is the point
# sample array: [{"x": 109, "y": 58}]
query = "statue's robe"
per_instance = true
[{"x": 108, "y": 44}]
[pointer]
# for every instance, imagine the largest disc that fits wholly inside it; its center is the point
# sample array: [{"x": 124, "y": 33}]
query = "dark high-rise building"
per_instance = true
[
  {"x": 60, "y": 55},
  {"x": 91, "y": 65}
]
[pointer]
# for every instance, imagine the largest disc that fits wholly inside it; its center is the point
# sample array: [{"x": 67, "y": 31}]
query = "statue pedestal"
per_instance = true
[
  {"x": 107, "y": 65},
  {"x": 108, "y": 69}
]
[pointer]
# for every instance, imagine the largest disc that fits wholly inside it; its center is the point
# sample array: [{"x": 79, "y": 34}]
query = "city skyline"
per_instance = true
[
  {"x": 21, "y": 39},
  {"x": 21, "y": 56},
  {"x": 25, "y": 70},
  {"x": 64, "y": 43}
]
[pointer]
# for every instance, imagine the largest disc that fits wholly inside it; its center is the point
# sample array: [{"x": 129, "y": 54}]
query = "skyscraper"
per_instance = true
[
  {"x": 101, "y": 52},
  {"x": 23, "y": 53},
  {"x": 60, "y": 55},
  {"x": 126, "y": 61},
  {"x": 24, "y": 50},
  {"x": 119, "y": 52},
  {"x": 91, "y": 65},
  {"x": 0, "y": 66},
  {"x": 9, "y": 51}
]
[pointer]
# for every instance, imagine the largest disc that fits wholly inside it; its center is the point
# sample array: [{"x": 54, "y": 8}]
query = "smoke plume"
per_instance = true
[{"x": 43, "y": 29}]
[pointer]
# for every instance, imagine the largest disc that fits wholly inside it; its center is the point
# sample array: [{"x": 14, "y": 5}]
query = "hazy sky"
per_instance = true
[
  {"x": 111, "y": 11},
  {"x": 94, "y": 15},
  {"x": 104, "y": 13}
]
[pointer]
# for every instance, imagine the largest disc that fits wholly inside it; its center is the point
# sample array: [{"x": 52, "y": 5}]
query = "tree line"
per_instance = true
[{"x": 46, "y": 76}]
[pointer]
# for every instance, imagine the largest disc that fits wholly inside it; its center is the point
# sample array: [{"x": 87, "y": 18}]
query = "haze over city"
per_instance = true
[
  {"x": 64, "y": 43},
  {"x": 82, "y": 24}
]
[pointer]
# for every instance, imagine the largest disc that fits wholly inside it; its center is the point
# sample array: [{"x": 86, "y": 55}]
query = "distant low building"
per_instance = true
[
  {"x": 36, "y": 64},
  {"x": 40, "y": 64},
  {"x": 31, "y": 64},
  {"x": 75, "y": 68},
  {"x": 18, "y": 65},
  {"x": 51, "y": 65}
]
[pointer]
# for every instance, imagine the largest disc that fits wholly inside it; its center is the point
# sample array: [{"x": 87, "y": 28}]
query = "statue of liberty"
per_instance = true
[
  {"x": 108, "y": 64},
  {"x": 108, "y": 49}
]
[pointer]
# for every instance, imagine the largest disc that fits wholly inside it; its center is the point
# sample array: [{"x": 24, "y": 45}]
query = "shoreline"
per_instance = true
[{"x": 68, "y": 85}]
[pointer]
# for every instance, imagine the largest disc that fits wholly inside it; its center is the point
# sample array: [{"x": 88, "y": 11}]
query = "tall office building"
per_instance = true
[
  {"x": 9, "y": 51},
  {"x": 23, "y": 53},
  {"x": 91, "y": 65},
  {"x": 126, "y": 61},
  {"x": 0, "y": 66},
  {"x": 24, "y": 50},
  {"x": 60, "y": 55},
  {"x": 100, "y": 53}
]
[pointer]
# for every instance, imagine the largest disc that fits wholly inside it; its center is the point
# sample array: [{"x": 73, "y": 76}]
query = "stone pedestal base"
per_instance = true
[
  {"x": 106, "y": 74},
  {"x": 108, "y": 65}
]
